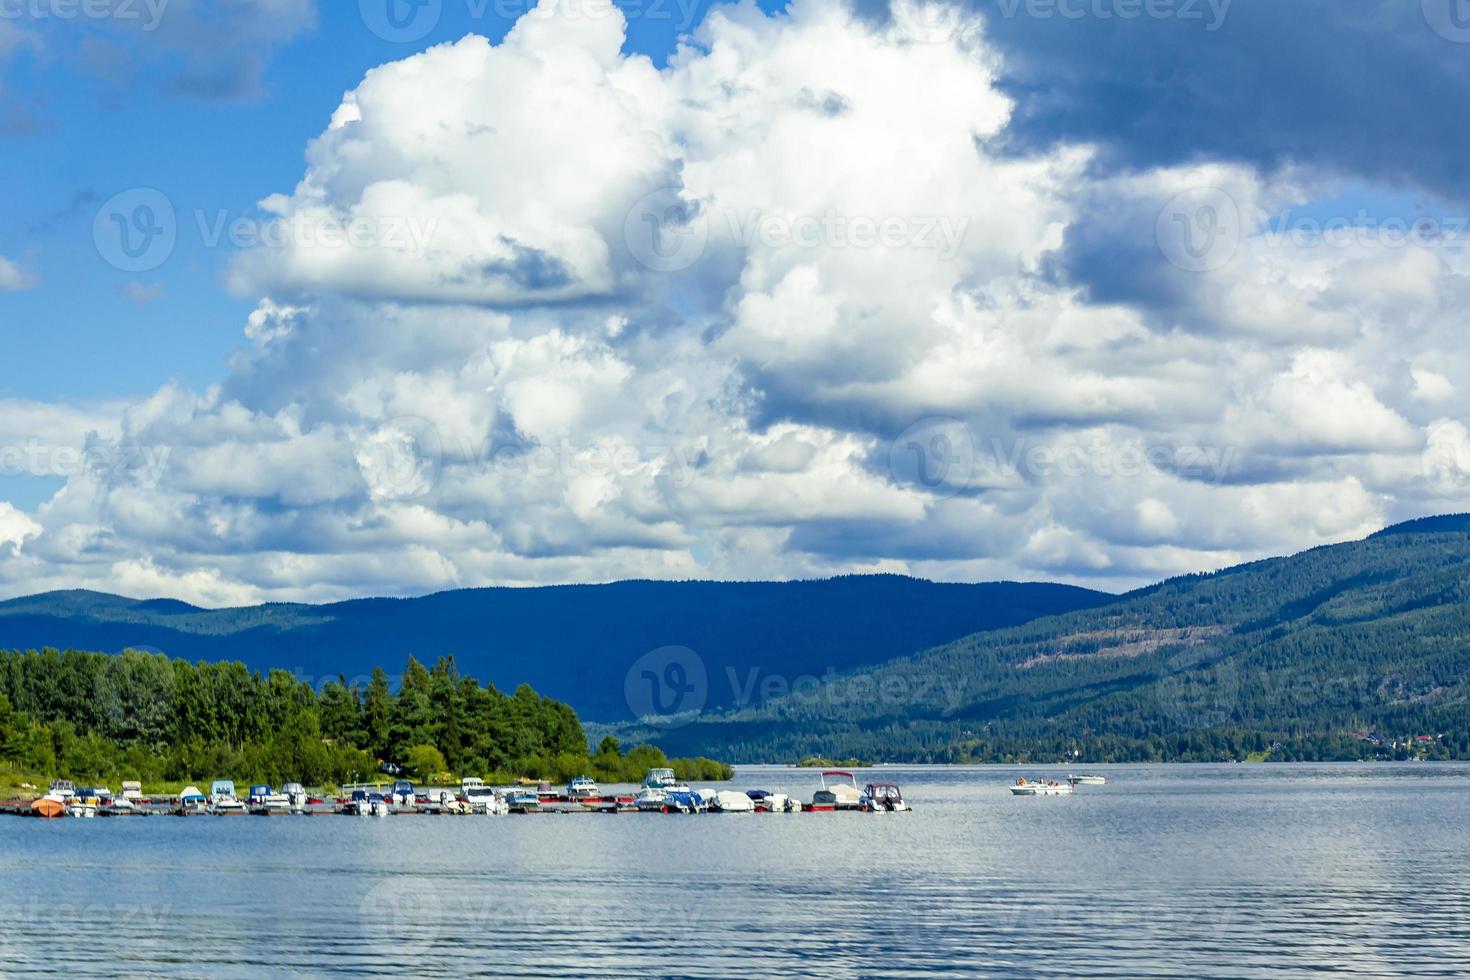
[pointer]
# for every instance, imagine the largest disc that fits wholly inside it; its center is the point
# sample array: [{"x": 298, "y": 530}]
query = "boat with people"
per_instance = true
[
  {"x": 1040, "y": 787},
  {"x": 839, "y": 791},
  {"x": 1087, "y": 780},
  {"x": 882, "y": 798}
]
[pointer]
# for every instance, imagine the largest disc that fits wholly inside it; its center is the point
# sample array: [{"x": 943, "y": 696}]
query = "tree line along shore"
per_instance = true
[{"x": 158, "y": 720}]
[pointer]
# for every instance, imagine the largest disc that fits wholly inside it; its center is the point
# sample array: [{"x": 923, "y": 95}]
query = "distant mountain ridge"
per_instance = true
[
  {"x": 574, "y": 643},
  {"x": 1336, "y": 652}
]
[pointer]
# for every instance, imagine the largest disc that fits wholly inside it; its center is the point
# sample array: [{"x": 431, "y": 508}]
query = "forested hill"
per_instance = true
[
  {"x": 1300, "y": 657},
  {"x": 577, "y": 644}
]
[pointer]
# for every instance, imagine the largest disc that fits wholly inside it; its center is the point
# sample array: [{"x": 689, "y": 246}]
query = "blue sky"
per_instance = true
[
  {"x": 78, "y": 333},
  {"x": 1284, "y": 390}
]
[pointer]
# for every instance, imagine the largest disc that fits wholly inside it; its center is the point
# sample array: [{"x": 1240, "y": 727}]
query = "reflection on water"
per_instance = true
[{"x": 1239, "y": 871}]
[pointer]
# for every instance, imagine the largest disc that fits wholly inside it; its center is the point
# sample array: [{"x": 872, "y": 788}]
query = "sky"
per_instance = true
[{"x": 307, "y": 301}]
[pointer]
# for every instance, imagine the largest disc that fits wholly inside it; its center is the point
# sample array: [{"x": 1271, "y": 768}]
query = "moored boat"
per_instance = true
[
  {"x": 47, "y": 808},
  {"x": 583, "y": 788},
  {"x": 660, "y": 779},
  {"x": 192, "y": 802},
  {"x": 729, "y": 801},
  {"x": 882, "y": 798},
  {"x": 222, "y": 800},
  {"x": 839, "y": 791}
]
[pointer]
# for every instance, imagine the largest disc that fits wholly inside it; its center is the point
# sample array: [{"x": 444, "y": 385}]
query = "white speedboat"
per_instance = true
[
  {"x": 1087, "y": 780},
  {"x": 1040, "y": 787},
  {"x": 483, "y": 799},
  {"x": 839, "y": 791},
  {"x": 882, "y": 798},
  {"x": 583, "y": 788},
  {"x": 222, "y": 800}
]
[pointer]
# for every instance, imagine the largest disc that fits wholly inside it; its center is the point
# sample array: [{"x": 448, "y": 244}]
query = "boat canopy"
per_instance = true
[{"x": 222, "y": 787}]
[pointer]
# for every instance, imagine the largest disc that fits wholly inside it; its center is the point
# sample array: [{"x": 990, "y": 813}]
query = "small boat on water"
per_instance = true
[
  {"x": 583, "y": 788},
  {"x": 882, "y": 798},
  {"x": 767, "y": 801},
  {"x": 222, "y": 800},
  {"x": 266, "y": 802},
  {"x": 48, "y": 809},
  {"x": 86, "y": 801},
  {"x": 483, "y": 799},
  {"x": 1040, "y": 787},
  {"x": 661, "y": 779},
  {"x": 1087, "y": 780},
  {"x": 525, "y": 801},
  {"x": 61, "y": 790},
  {"x": 729, "y": 801},
  {"x": 839, "y": 791},
  {"x": 192, "y": 802},
  {"x": 296, "y": 797}
]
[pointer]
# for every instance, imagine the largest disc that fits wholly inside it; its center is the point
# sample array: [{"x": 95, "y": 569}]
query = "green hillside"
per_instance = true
[{"x": 1302, "y": 657}]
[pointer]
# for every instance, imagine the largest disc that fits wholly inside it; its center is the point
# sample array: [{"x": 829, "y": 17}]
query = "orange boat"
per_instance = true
[{"x": 48, "y": 809}]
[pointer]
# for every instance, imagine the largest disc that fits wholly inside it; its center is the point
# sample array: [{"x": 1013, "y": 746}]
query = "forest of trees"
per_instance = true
[
  {"x": 92, "y": 716},
  {"x": 1354, "y": 651}
]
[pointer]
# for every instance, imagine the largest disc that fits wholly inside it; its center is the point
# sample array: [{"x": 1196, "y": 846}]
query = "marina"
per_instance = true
[{"x": 661, "y": 792}]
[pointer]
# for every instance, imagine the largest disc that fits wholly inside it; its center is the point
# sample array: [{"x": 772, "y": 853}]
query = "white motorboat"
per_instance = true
[
  {"x": 483, "y": 799},
  {"x": 1087, "y": 780},
  {"x": 296, "y": 797},
  {"x": 661, "y": 779},
  {"x": 222, "y": 800},
  {"x": 1040, "y": 787},
  {"x": 839, "y": 791},
  {"x": 583, "y": 788},
  {"x": 656, "y": 799},
  {"x": 729, "y": 801},
  {"x": 767, "y": 801},
  {"x": 62, "y": 790},
  {"x": 882, "y": 798}
]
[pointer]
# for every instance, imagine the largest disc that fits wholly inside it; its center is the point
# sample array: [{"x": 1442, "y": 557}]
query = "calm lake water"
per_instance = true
[{"x": 1177, "y": 871}]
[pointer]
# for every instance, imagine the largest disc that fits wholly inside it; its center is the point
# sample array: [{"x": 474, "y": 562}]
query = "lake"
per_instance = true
[{"x": 1169, "y": 871}]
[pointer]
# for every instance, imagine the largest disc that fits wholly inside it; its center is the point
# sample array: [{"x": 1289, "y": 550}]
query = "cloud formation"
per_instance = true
[{"x": 802, "y": 302}]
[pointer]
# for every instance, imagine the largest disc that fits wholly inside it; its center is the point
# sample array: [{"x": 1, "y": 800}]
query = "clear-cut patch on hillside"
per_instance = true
[{"x": 1123, "y": 643}]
